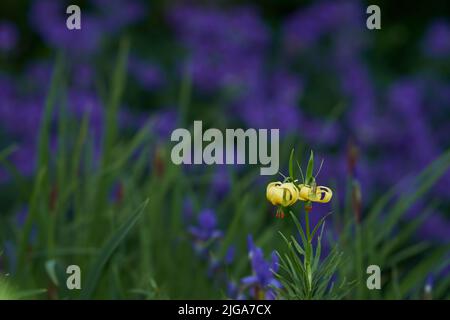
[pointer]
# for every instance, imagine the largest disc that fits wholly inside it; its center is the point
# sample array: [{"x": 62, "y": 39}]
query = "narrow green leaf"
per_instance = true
[
  {"x": 300, "y": 229},
  {"x": 418, "y": 273},
  {"x": 32, "y": 214},
  {"x": 5, "y": 153},
  {"x": 310, "y": 168},
  {"x": 112, "y": 108},
  {"x": 107, "y": 251},
  {"x": 44, "y": 131},
  {"x": 424, "y": 182},
  {"x": 322, "y": 220},
  {"x": 27, "y": 294},
  {"x": 291, "y": 166}
]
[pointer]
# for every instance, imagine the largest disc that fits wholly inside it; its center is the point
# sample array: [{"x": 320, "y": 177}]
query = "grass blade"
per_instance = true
[{"x": 107, "y": 251}]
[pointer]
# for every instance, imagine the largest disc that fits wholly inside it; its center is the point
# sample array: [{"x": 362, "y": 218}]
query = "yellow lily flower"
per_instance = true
[
  {"x": 286, "y": 194},
  {"x": 282, "y": 194},
  {"x": 319, "y": 194}
]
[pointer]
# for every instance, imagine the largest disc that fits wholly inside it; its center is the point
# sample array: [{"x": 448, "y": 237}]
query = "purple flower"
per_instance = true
[
  {"x": 216, "y": 266},
  {"x": 48, "y": 18},
  {"x": 262, "y": 281},
  {"x": 221, "y": 182},
  {"x": 118, "y": 14},
  {"x": 164, "y": 122},
  {"x": 321, "y": 132},
  {"x": 8, "y": 36},
  {"x": 407, "y": 99},
  {"x": 436, "y": 227},
  {"x": 437, "y": 40},
  {"x": 7, "y": 88},
  {"x": 83, "y": 76},
  {"x": 428, "y": 287},
  {"x": 147, "y": 74},
  {"x": 22, "y": 118},
  {"x": 271, "y": 102},
  {"x": 38, "y": 75},
  {"x": 206, "y": 228},
  {"x": 308, "y": 25},
  {"x": 188, "y": 209},
  {"x": 230, "y": 254},
  {"x": 224, "y": 47}
]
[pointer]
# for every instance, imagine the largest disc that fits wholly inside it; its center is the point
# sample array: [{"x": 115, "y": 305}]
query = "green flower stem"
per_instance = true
[{"x": 308, "y": 252}]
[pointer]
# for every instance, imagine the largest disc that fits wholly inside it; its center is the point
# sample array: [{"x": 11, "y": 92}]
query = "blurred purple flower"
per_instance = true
[
  {"x": 230, "y": 255},
  {"x": 308, "y": 25},
  {"x": 321, "y": 132},
  {"x": 428, "y": 287},
  {"x": 118, "y": 14},
  {"x": 24, "y": 159},
  {"x": 233, "y": 290},
  {"x": 188, "y": 209},
  {"x": 148, "y": 75},
  {"x": 221, "y": 182},
  {"x": 83, "y": 76},
  {"x": 436, "y": 227},
  {"x": 272, "y": 102},
  {"x": 7, "y": 88},
  {"x": 216, "y": 266},
  {"x": 165, "y": 121},
  {"x": 48, "y": 18},
  {"x": 206, "y": 228},
  {"x": 38, "y": 75},
  {"x": 224, "y": 46},
  {"x": 437, "y": 40},
  {"x": 406, "y": 97},
  {"x": 9, "y": 36},
  {"x": 21, "y": 118},
  {"x": 263, "y": 279}
]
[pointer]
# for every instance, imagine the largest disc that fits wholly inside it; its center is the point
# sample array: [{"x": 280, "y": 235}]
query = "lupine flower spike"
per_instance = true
[{"x": 287, "y": 193}]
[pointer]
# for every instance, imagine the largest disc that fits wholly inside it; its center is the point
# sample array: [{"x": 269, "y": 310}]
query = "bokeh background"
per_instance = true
[{"x": 374, "y": 104}]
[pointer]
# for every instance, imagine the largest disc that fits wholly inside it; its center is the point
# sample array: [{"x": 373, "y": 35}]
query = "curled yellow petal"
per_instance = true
[
  {"x": 304, "y": 192},
  {"x": 323, "y": 194},
  {"x": 319, "y": 194},
  {"x": 282, "y": 194}
]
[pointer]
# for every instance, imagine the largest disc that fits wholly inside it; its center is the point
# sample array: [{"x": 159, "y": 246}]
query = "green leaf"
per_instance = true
[
  {"x": 132, "y": 146},
  {"x": 301, "y": 172},
  {"x": 27, "y": 294},
  {"x": 32, "y": 214},
  {"x": 235, "y": 227},
  {"x": 310, "y": 168},
  {"x": 300, "y": 230},
  {"x": 291, "y": 166},
  {"x": 5, "y": 153},
  {"x": 44, "y": 131},
  {"x": 322, "y": 220},
  {"x": 316, "y": 259},
  {"x": 423, "y": 183},
  {"x": 112, "y": 108},
  {"x": 107, "y": 251},
  {"x": 407, "y": 253},
  {"x": 421, "y": 270},
  {"x": 50, "y": 267}
]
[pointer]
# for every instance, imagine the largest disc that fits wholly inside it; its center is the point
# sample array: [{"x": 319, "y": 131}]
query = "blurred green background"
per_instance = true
[{"x": 85, "y": 123}]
